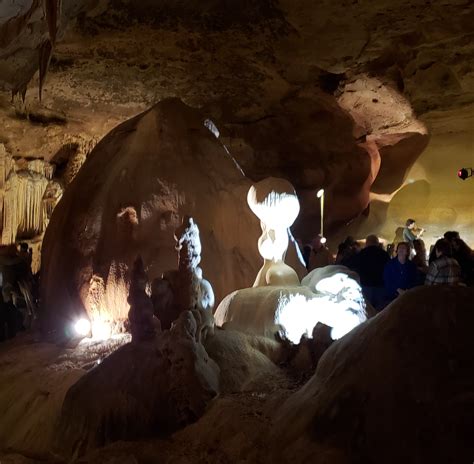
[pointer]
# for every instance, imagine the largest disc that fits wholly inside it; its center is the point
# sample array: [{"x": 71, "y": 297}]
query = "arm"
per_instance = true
[
  {"x": 420, "y": 233},
  {"x": 408, "y": 235}
]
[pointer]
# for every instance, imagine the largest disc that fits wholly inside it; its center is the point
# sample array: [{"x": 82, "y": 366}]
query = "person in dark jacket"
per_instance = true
[
  {"x": 444, "y": 269},
  {"x": 370, "y": 264},
  {"x": 10, "y": 318},
  {"x": 399, "y": 273},
  {"x": 463, "y": 255}
]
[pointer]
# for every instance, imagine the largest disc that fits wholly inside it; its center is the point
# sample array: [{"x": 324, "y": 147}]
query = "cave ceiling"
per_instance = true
[{"x": 303, "y": 89}]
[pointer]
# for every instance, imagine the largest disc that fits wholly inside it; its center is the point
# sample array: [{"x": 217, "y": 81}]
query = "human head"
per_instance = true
[
  {"x": 443, "y": 248},
  {"x": 451, "y": 235},
  {"x": 454, "y": 239},
  {"x": 316, "y": 242},
  {"x": 403, "y": 250},
  {"x": 23, "y": 246},
  {"x": 410, "y": 223},
  {"x": 349, "y": 241},
  {"x": 419, "y": 246},
  {"x": 372, "y": 240}
]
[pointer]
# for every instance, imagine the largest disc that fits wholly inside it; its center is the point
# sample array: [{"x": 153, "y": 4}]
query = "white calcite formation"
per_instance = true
[
  {"x": 185, "y": 289},
  {"x": 275, "y": 203},
  {"x": 278, "y": 303},
  {"x": 28, "y": 196},
  {"x": 23, "y": 185}
]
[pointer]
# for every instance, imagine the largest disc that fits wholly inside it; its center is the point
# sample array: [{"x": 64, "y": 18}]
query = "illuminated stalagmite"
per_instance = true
[
  {"x": 275, "y": 203},
  {"x": 185, "y": 289},
  {"x": 278, "y": 303}
]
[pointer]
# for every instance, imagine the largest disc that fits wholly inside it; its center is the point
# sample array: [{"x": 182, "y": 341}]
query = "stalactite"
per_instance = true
[
  {"x": 44, "y": 57},
  {"x": 52, "y": 9},
  {"x": 23, "y": 211},
  {"x": 41, "y": 167},
  {"x": 28, "y": 195}
]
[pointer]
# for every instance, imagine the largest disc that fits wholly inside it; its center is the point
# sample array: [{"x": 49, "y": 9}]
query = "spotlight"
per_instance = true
[
  {"x": 101, "y": 330},
  {"x": 82, "y": 327},
  {"x": 320, "y": 193},
  {"x": 323, "y": 240},
  {"x": 464, "y": 173}
]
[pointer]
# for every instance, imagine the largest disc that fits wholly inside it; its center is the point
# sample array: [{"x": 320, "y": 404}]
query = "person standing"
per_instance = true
[
  {"x": 320, "y": 255},
  {"x": 463, "y": 255},
  {"x": 420, "y": 260},
  {"x": 409, "y": 234},
  {"x": 444, "y": 269},
  {"x": 370, "y": 264},
  {"x": 399, "y": 273}
]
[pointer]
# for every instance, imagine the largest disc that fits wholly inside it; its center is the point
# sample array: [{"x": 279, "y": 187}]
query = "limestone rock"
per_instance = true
[
  {"x": 128, "y": 199},
  {"x": 247, "y": 362},
  {"x": 301, "y": 90},
  {"x": 398, "y": 388},
  {"x": 140, "y": 390}
]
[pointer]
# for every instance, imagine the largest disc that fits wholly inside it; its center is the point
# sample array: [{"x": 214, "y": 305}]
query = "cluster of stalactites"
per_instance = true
[
  {"x": 25, "y": 206},
  {"x": 23, "y": 211}
]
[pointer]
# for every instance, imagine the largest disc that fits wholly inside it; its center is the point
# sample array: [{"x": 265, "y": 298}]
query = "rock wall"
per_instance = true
[
  {"x": 431, "y": 192},
  {"x": 398, "y": 388},
  {"x": 128, "y": 199},
  {"x": 329, "y": 94}
]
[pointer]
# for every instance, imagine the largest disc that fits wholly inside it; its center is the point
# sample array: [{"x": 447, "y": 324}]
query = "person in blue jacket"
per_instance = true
[{"x": 399, "y": 273}]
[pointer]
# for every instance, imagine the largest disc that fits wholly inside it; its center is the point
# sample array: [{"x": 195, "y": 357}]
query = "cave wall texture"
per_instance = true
[
  {"x": 129, "y": 198},
  {"x": 374, "y": 101}
]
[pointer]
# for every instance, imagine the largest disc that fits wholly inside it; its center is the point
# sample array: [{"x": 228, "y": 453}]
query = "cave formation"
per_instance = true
[{"x": 120, "y": 118}]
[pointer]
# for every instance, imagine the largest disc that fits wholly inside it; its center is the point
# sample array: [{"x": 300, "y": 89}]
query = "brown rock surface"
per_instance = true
[
  {"x": 128, "y": 200},
  {"x": 143, "y": 389},
  {"x": 294, "y": 87},
  {"x": 398, "y": 388}
]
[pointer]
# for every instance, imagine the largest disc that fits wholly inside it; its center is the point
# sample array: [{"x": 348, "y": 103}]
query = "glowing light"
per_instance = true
[
  {"x": 277, "y": 210},
  {"x": 320, "y": 195},
  {"x": 101, "y": 330},
  {"x": 82, "y": 327},
  {"x": 323, "y": 240},
  {"x": 338, "y": 303},
  {"x": 275, "y": 203},
  {"x": 212, "y": 127},
  {"x": 464, "y": 173}
]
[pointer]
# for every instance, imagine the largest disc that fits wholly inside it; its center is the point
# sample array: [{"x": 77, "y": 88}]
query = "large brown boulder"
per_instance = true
[
  {"x": 129, "y": 198},
  {"x": 141, "y": 390},
  {"x": 398, "y": 388}
]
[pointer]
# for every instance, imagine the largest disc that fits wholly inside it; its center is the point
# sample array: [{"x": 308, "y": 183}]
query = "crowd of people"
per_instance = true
[
  {"x": 17, "y": 290},
  {"x": 387, "y": 273},
  {"x": 384, "y": 273}
]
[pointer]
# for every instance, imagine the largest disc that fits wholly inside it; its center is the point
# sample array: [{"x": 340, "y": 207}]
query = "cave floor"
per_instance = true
[{"x": 35, "y": 376}]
